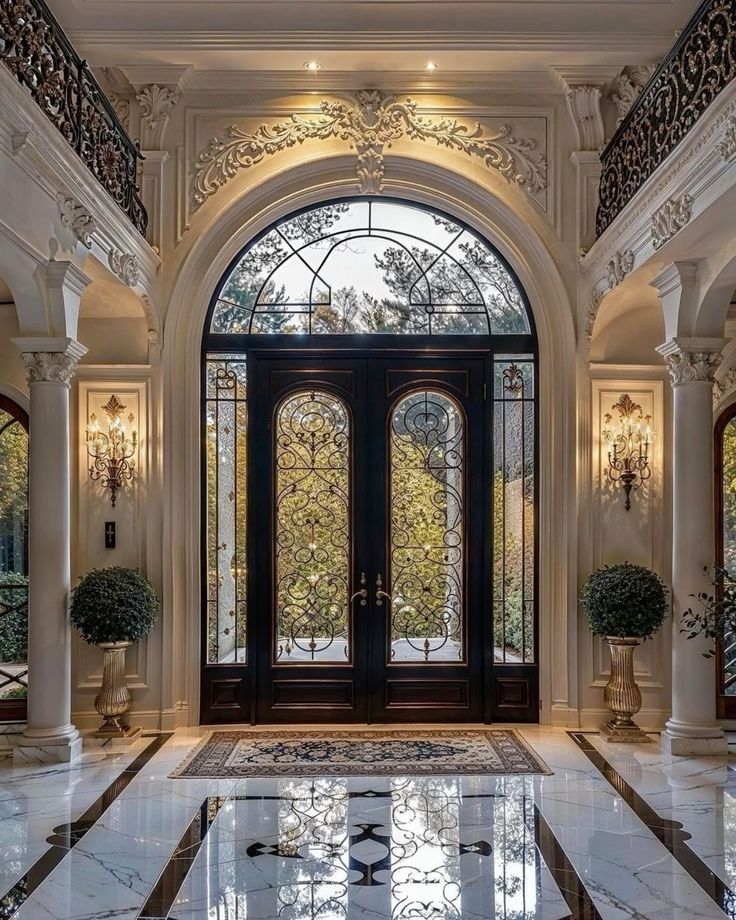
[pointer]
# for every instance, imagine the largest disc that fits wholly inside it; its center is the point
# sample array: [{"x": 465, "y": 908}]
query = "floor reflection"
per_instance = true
[{"x": 403, "y": 848}]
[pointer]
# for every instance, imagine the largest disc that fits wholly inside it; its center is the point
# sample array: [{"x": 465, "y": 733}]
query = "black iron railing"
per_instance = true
[
  {"x": 699, "y": 66},
  {"x": 34, "y": 47}
]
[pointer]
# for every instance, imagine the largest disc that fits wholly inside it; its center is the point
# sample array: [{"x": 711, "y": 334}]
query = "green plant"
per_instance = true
[
  {"x": 17, "y": 693},
  {"x": 14, "y": 623},
  {"x": 717, "y": 617},
  {"x": 624, "y": 600},
  {"x": 113, "y": 605}
]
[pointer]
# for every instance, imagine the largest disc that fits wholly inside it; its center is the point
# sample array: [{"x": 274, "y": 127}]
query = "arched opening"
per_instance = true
[
  {"x": 725, "y": 517},
  {"x": 369, "y": 554},
  {"x": 13, "y": 560}
]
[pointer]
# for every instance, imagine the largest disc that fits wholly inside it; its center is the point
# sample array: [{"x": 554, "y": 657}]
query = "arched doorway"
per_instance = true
[
  {"x": 13, "y": 560},
  {"x": 369, "y": 475}
]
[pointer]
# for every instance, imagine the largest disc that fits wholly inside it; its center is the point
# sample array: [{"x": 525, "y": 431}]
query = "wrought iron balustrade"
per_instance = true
[
  {"x": 34, "y": 48},
  {"x": 699, "y": 66}
]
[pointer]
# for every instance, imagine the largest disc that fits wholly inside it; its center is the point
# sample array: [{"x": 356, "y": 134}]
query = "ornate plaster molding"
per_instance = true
[
  {"x": 723, "y": 386},
  {"x": 627, "y": 86},
  {"x": 696, "y": 363},
  {"x": 674, "y": 214},
  {"x": 369, "y": 123},
  {"x": 727, "y": 144},
  {"x": 151, "y": 321},
  {"x": 122, "y": 108},
  {"x": 125, "y": 265},
  {"x": 584, "y": 104},
  {"x": 621, "y": 265},
  {"x": 76, "y": 217},
  {"x": 592, "y": 311},
  {"x": 49, "y": 366},
  {"x": 156, "y": 103}
]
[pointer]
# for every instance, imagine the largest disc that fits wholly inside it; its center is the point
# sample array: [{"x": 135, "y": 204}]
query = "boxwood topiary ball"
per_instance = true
[
  {"x": 624, "y": 600},
  {"x": 113, "y": 605}
]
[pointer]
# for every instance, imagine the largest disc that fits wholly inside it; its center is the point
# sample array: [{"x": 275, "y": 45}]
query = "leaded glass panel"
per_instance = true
[
  {"x": 513, "y": 509},
  {"x": 226, "y": 433},
  {"x": 13, "y": 557},
  {"x": 369, "y": 267},
  {"x": 427, "y": 446},
  {"x": 728, "y": 492},
  {"x": 313, "y": 529}
]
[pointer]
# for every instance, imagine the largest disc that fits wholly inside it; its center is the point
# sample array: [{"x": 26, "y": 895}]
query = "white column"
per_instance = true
[
  {"x": 49, "y": 735},
  {"x": 691, "y": 363}
]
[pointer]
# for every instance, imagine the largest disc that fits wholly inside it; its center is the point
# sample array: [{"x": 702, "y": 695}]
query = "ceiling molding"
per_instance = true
[
  {"x": 171, "y": 40},
  {"x": 282, "y": 81}
]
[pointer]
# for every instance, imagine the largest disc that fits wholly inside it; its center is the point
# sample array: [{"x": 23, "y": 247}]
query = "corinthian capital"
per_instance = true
[
  {"x": 692, "y": 360},
  {"x": 49, "y": 360}
]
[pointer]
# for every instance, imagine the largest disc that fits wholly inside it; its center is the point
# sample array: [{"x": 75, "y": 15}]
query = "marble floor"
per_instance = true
[{"x": 615, "y": 832}]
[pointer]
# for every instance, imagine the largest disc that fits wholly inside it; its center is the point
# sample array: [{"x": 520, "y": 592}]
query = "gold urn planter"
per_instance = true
[
  {"x": 114, "y": 699},
  {"x": 621, "y": 694}
]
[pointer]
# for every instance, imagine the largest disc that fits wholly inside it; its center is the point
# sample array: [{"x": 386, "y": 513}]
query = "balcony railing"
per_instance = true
[
  {"x": 34, "y": 47},
  {"x": 699, "y": 66}
]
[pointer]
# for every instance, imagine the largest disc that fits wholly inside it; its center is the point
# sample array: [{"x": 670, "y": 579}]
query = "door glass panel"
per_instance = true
[
  {"x": 427, "y": 529},
  {"x": 312, "y": 529},
  {"x": 728, "y": 487},
  {"x": 226, "y": 430},
  {"x": 13, "y": 556},
  {"x": 513, "y": 509}
]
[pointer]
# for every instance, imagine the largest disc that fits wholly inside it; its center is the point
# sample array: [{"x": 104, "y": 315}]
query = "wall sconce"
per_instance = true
[
  {"x": 111, "y": 452},
  {"x": 629, "y": 440}
]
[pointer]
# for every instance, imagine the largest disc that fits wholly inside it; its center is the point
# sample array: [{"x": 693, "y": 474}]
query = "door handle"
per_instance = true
[
  {"x": 363, "y": 593},
  {"x": 380, "y": 593}
]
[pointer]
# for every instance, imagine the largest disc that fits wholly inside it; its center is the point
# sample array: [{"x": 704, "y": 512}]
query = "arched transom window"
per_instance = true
[{"x": 367, "y": 266}]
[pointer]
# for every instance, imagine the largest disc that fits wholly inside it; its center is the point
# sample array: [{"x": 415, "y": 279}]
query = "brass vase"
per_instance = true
[
  {"x": 113, "y": 701},
  {"x": 621, "y": 694}
]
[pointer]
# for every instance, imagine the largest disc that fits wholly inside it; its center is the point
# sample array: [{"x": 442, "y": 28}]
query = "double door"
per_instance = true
[{"x": 369, "y": 544}]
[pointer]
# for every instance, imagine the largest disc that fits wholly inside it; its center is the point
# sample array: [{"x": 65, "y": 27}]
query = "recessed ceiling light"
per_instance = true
[
  {"x": 312, "y": 65},
  {"x": 430, "y": 65}
]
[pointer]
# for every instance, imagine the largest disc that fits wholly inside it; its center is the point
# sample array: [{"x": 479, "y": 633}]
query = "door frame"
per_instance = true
[{"x": 499, "y": 679}]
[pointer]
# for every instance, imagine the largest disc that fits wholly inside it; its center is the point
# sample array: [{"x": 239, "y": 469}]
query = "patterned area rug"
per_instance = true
[{"x": 420, "y": 752}]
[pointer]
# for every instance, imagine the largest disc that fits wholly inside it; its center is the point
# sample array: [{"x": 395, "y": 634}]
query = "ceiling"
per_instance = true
[{"x": 461, "y": 36}]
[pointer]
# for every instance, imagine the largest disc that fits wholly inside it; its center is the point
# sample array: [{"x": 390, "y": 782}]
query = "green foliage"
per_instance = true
[
  {"x": 113, "y": 605},
  {"x": 14, "y": 466},
  {"x": 716, "y": 617},
  {"x": 17, "y": 693},
  {"x": 729, "y": 496},
  {"x": 625, "y": 600},
  {"x": 14, "y": 625}
]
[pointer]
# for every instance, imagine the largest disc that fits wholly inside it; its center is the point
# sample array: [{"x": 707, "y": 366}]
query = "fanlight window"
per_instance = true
[{"x": 370, "y": 267}]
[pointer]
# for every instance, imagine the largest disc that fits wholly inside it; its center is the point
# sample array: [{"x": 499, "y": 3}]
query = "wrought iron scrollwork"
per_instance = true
[
  {"x": 699, "y": 67},
  {"x": 427, "y": 438},
  {"x": 34, "y": 48},
  {"x": 312, "y": 518}
]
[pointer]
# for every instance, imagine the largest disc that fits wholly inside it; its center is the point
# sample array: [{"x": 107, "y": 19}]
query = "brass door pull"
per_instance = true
[
  {"x": 363, "y": 593},
  {"x": 380, "y": 593}
]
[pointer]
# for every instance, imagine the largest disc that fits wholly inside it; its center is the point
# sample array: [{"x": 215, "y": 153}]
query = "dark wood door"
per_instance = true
[
  {"x": 368, "y": 582},
  {"x": 309, "y": 501},
  {"x": 428, "y": 547}
]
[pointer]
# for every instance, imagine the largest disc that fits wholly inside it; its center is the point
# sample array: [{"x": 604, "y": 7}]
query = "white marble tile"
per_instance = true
[
  {"x": 36, "y": 799},
  {"x": 301, "y": 849}
]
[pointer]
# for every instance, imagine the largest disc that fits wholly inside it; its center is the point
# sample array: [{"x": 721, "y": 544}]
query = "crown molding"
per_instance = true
[
  {"x": 282, "y": 81},
  {"x": 634, "y": 43}
]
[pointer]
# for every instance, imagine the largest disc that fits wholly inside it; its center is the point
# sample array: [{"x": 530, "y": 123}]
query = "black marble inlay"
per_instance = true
[
  {"x": 167, "y": 887},
  {"x": 670, "y": 833},
  {"x": 563, "y": 872},
  {"x": 66, "y": 836}
]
